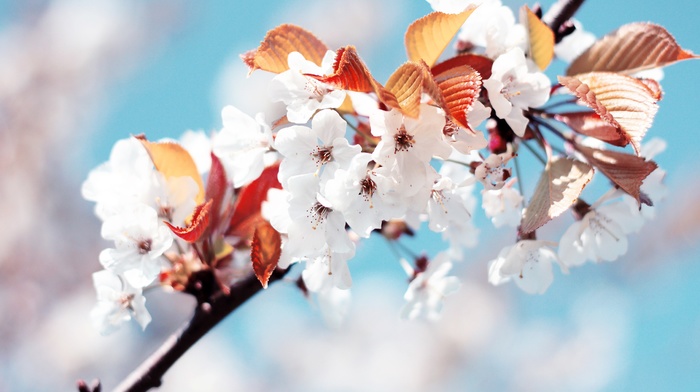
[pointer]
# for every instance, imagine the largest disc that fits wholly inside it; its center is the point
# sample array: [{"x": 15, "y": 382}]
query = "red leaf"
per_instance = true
[
  {"x": 629, "y": 49},
  {"x": 623, "y": 101},
  {"x": 460, "y": 87},
  {"x": 217, "y": 185},
  {"x": 590, "y": 124},
  {"x": 481, "y": 64},
  {"x": 197, "y": 226},
  {"x": 246, "y": 212},
  {"x": 625, "y": 170},
  {"x": 351, "y": 74},
  {"x": 559, "y": 187},
  {"x": 278, "y": 43},
  {"x": 427, "y": 37},
  {"x": 265, "y": 251}
]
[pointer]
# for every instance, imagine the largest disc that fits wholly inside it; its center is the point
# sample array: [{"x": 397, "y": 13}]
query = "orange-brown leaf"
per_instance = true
[
  {"x": 172, "y": 160},
  {"x": 427, "y": 37},
  {"x": 559, "y": 187},
  {"x": 627, "y": 171},
  {"x": 541, "y": 38},
  {"x": 622, "y": 101},
  {"x": 265, "y": 251},
  {"x": 278, "y": 43},
  {"x": 197, "y": 226},
  {"x": 460, "y": 87},
  {"x": 406, "y": 84},
  {"x": 590, "y": 124},
  {"x": 246, "y": 212},
  {"x": 629, "y": 49},
  {"x": 481, "y": 64},
  {"x": 350, "y": 73}
]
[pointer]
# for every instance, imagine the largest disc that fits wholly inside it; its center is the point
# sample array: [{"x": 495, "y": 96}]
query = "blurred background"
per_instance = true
[{"x": 75, "y": 76}]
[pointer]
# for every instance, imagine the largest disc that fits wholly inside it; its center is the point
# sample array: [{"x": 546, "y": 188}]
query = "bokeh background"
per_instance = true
[{"x": 75, "y": 76}]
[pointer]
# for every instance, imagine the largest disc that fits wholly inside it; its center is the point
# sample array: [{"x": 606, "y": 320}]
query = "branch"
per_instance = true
[
  {"x": 562, "y": 11},
  {"x": 207, "y": 315}
]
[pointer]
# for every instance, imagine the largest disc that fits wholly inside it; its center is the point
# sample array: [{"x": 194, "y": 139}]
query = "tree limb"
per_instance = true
[{"x": 207, "y": 315}]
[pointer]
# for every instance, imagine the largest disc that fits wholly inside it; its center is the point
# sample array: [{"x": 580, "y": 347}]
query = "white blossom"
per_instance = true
[
  {"x": 139, "y": 241},
  {"x": 504, "y": 206},
  {"x": 515, "y": 85},
  {"x": 309, "y": 150},
  {"x": 428, "y": 288},
  {"x": 117, "y": 302},
  {"x": 492, "y": 26},
  {"x": 242, "y": 145},
  {"x": 364, "y": 194},
  {"x": 596, "y": 237},
  {"x": 528, "y": 262}
]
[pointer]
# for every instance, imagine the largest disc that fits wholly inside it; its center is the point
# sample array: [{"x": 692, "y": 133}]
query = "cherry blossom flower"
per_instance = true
[
  {"x": 139, "y": 241},
  {"x": 462, "y": 233},
  {"x": 308, "y": 150},
  {"x": 117, "y": 302},
  {"x": 445, "y": 206},
  {"x": 504, "y": 206},
  {"x": 428, "y": 288},
  {"x": 242, "y": 145},
  {"x": 574, "y": 44},
  {"x": 364, "y": 194},
  {"x": 514, "y": 86},
  {"x": 492, "y": 172},
  {"x": 595, "y": 237},
  {"x": 302, "y": 94},
  {"x": 492, "y": 26},
  {"x": 313, "y": 222},
  {"x": 328, "y": 269},
  {"x": 125, "y": 179},
  {"x": 528, "y": 262},
  {"x": 407, "y": 145}
]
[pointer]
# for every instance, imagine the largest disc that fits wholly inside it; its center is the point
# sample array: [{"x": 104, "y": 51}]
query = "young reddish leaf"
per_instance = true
[
  {"x": 217, "y": 185},
  {"x": 622, "y": 101},
  {"x": 406, "y": 84},
  {"x": 654, "y": 87},
  {"x": 278, "y": 43},
  {"x": 427, "y": 37},
  {"x": 627, "y": 171},
  {"x": 590, "y": 124},
  {"x": 481, "y": 64},
  {"x": 559, "y": 187},
  {"x": 198, "y": 224},
  {"x": 246, "y": 212},
  {"x": 541, "y": 38},
  {"x": 265, "y": 251},
  {"x": 350, "y": 73},
  {"x": 629, "y": 49},
  {"x": 460, "y": 87},
  {"x": 172, "y": 160}
]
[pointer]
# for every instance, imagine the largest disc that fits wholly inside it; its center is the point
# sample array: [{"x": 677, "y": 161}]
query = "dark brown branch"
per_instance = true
[
  {"x": 565, "y": 11},
  {"x": 207, "y": 315}
]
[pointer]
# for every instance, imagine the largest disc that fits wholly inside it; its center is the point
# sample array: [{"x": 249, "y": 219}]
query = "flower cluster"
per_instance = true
[{"x": 354, "y": 157}]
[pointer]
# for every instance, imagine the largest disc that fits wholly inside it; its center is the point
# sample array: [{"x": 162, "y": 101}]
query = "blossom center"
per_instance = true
[
  {"x": 322, "y": 155},
  {"x": 316, "y": 90},
  {"x": 403, "y": 140},
  {"x": 450, "y": 128},
  {"x": 367, "y": 188},
  {"x": 144, "y": 246},
  {"x": 318, "y": 213},
  {"x": 508, "y": 86}
]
